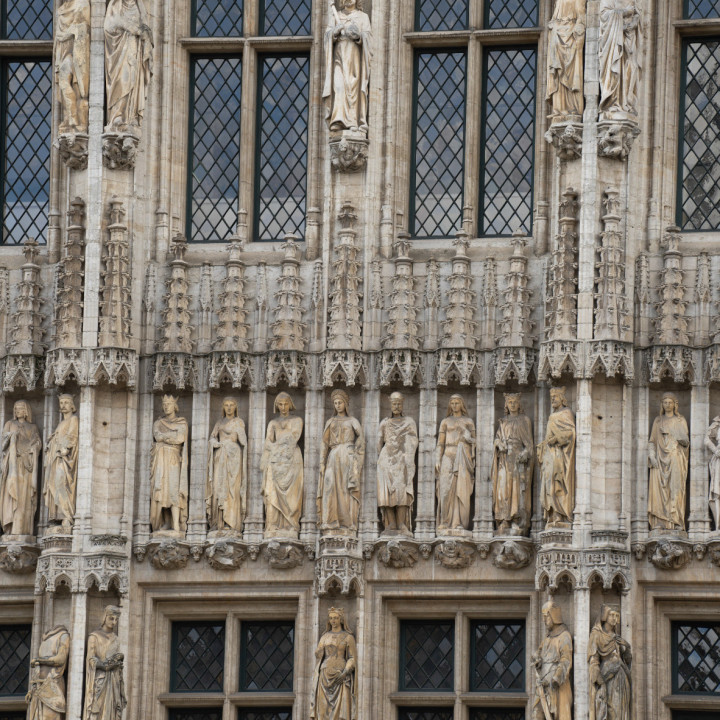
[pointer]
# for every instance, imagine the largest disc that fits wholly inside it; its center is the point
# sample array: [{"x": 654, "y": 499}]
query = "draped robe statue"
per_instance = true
[
  {"x": 712, "y": 443},
  {"x": 668, "y": 459},
  {"x": 282, "y": 468},
  {"x": 21, "y": 445},
  {"x": 565, "y": 60},
  {"x": 46, "y": 695},
  {"x": 72, "y": 60}
]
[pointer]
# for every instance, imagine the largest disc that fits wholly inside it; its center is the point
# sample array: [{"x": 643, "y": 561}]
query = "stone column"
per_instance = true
[
  {"x": 581, "y": 672},
  {"x": 427, "y": 429},
  {"x": 146, "y": 410},
  {"x": 85, "y": 471},
  {"x": 369, "y": 524},
  {"x": 483, "y": 520},
  {"x": 582, "y": 517},
  {"x": 314, "y": 424},
  {"x": 199, "y": 431},
  {"x": 75, "y": 677},
  {"x": 639, "y": 524},
  {"x": 257, "y": 422},
  {"x": 699, "y": 524}
]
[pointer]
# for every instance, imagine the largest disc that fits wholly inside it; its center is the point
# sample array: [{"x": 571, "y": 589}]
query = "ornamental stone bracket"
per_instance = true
[
  {"x": 226, "y": 553},
  {"x": 512, "y": 553},
  {"x": 561, "y": 356},
  {"x": 400, "y": 366},
  {"x": 455, "y": 553},
  {"x": 18, "y": 554},
  {"x": 611, "y": 358},
  {"x": 514, "y": 364},
  {"x": 119, "y": 150},
  {"x": 287, "y": 366},
  {"x": 616, "y": 137},
  {"x": 345, "y": 366},
  {"x": 178, "y": 370},
  {"x": 566, "y": 138},
  {"x": 91, "y": 366},
  {"x": 400, "y": 553},
  {"x": 676, "y": 362},
  {"x": 235, "y": 368},
  {"x": 286, "y": 554},
  {"x": 22, "y": 372},
  {"x": 73, "y": 150},
  {"x": 349, "y": 152},
  {"x": 339, "y": 567},
  {"x": 671, "y": 553}
]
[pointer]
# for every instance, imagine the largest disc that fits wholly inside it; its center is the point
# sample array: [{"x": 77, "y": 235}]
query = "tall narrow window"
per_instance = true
[
  {"x": 696, "y": 657},
  {"x": 217, "y": 18},
  {"x": 198, "y": 652},
  {"x": 27, "y": 20},
  {"x": 511, "y": 13},
  {"x": 14, "y": 659},
  {"x": 286, "y": 17},
  {"x": 701, "y": 9},
  {"x": 426, "y": 654},
  {"x": 698, "y": 203},
  {"x": 438, "y": 143}
]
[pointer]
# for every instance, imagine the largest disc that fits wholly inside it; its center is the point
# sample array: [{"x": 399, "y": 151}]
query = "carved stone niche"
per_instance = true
[
  {"x": 606, "y": 566},
  {"x": 560, "y": 356},
  {"x": 676, "y": 362},
  {"x": 73, "y": 150},
  {"x": 513, "y": 554},
  {"x": 235, "y": 368},
  {"x": 226, "y": 553},
  {"x": 566, "y": 138},
  {"x": 611, "y": 358},
  {"x": 339, "y": 567},
  {"x": 22, "y": 372},
  {"x": 119, "y": 150},
  {"x": 455, "y": 554},
  {"x": 616, "y": 137},
  {"x": 349, "y": 151},
  {"x": 669, "y": 553},
  {"x": 345, "y": 366},
  {"x": 178, "y": 370},
  {"x": 18, "y": 557}
]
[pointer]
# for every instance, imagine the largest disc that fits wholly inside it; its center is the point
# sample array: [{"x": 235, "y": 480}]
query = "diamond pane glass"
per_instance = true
[
  {"x": 282, "y": 146},
  {"x": 425, "y": 714},
  {"x": 195, "y": 714},
  {"x": 699, "y": 191},
  {"x": 508, "y": 134},
  {"x": 26, "y": 180},
  {"x": 441, "y": 15},
  {"x": 215, "y": 142},
  {"x": 697, "y": 653},
  {"x": 497, "y": 714},
  {"x": 511, "y": 13},
  {"x": 498, "y": 655},
  {"x": 267, "y": 656},
  {"x": 14, "y": 659},
  {"x": 198, "y": 657},
  {"x": 439, "y": 143},
  {"x": 28, "y": 20},
  {"x": 702, "y": 9},
  {"x": 426, "y": 655},
  {"x": 265, "y": 714},
  {"x": 286, "y": 17},
  {"x": 218, "y": 18}
]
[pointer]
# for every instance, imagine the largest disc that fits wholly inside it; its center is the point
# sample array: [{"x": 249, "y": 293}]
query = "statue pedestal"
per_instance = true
[
  {"x": 616, "y": 136},
  {"x": 18, "y": 553},
  {"x": 73, "y": 150},
  {"x": 566, "y": 138},
  {"x": 119, "y": 150},
  {"x": 348, "y": 150}
]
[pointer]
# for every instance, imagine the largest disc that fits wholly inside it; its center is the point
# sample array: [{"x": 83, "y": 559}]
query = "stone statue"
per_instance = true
[
  {"x": 556, "y": 457},
  {"x": 512, "y": 469},
  {"x": 334, "y": 694},
  {"x": 282, "y": 468},
  {"x": 348, "y": 49},
  {"x": 712, "y": 443},
  {"x": 46, "y": 695},
  {"x": 226, "y": 489},
  {"x": 169, "y": 471},
  {"x": 610, "y": 659},
  {"x": 343, "y": 452},
  {"x": 619, "y": 59},
  {"x": 72, "y": 62},
  {"x": 566, "y": 38},
  {"x": 553, "y": 662},
  {"x": 104, "y": 685},
  {"x": 128, "y": 64},
  {"x": 21, "y": 445},
  {"x": 455, "y": 467},
  {"x": 61, "y": 464},
  {"x": 668, "y": 450},
  {"x": 397, "y": 443}
]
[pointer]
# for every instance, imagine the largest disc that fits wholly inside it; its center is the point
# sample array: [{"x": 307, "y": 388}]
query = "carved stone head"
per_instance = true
[
  {"x": 283, "y": 397},
  {"x": 396, "y": 403},
  {"x": 669, "y": 404},
  {"x": 463, "y": 409},
  {"x": 68, "y": 401},
  {"x": 557, "y": 397},
  {"x": 513, "y": 399},
  {"x": 552, "y": 613},
  {"x": 230, "y": 408},
  {"x": 340, "y": 395},
  {"x": 19, "y": 407},
  {"x": 340, "y": 614}
]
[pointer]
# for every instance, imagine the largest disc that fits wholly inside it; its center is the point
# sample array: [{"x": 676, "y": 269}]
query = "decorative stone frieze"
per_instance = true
[{"x": 91, "y": 366}]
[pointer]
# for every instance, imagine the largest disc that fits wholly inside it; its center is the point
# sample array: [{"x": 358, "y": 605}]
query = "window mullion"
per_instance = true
[
  {"x": 472, "y": 136},
  {"x": 247, "y": 134}
]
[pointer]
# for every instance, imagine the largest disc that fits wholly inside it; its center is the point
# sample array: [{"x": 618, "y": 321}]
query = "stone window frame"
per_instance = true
[{"x": 17, "y": 609}]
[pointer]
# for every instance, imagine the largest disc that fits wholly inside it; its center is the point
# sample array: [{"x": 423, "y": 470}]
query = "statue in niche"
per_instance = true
[
  {"x": 348, "y": 50},
  {"x": 553, "y": 662},
  {"x": 712, "y": 443},
  {"x": 128, "y": 64},
  {"x": 334, "y": 694},
  {"x": 282, "y": 468},
  {"x": 226, "y": 489},
  {"x": 455, "y": 467},
  {"x": 72, "y": 61},
  {"x": 619, "y": 59},
  {"x": 104, "y": 685},
  {"x": 61, "y": 464},
  {"x": 397, "y": 443},
  {"x": 566, "y": 38},
  {"x": 46, "y": 695},
  {"x": 21, "y": 446},
  {"x": 668, "y": 451},
  {"x": 610, "y": 658},
  {"x": 556, "y": 458},
  {"x": 512, "y": 469},
  {"x": 343, "y": 452},
  {"x": 169, "y": 471}
]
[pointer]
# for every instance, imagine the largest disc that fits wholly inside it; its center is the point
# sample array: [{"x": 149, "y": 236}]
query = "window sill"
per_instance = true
[
  {"x": 493, "y": 698},
  {"x": 426, "y": 698},
  {"x": 698, "y": 27},
  {"x": 200, "y": 699},
  {"x": 12, "y": 702},
  {"x": 215, "y": 45},
  {"x": 25, "y": 47},
  {"x": 257, "y": 699},
  {"x": 692, "y": 702}
]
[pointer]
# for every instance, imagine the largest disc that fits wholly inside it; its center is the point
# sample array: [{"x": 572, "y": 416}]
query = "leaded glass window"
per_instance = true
[
  {"x": 215, "y": 146},
  {"x": 511, "y": 13},
  {"x": 14, "y": 659},
  {"x": 497, "y": 714},
  {"x": 195, "y": 714},
  {"x": 699, "y": 143},
  {"x": 696, "y": 657},
  {"x": 198, "y": 653},
  {"x": 508, "y": 134},
  {"x": 27, "y": 20},
  {"x": 426, "y": 654},
  {"x": 497, "y": 655},
  {"x": 265, "y": 714},
  {"x": 438, "y": 143},
  {"x": 425, "y": 714},
  {"x": 266, "y": 661},
  {"x": 701, "y": 9},
  {"x": 217, "y": 18},
  {"x": 281, "y": 148},
  {"x": 286, "y": 17},
  {"x": 441, "y": 15}
]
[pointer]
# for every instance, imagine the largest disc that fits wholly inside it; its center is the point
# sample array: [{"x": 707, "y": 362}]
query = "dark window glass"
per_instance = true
[
  {"x": 699, "y": 143},
  {"x": 215, "y": 148},
  {"x": 441, "y": 15},
  {"x": 426, "y": 654},
  {"x": 498, "y": 655},
  {"x": 26, "y": 112},
  {"x": 701, "y": 9},
  {"x": 508, "y": 134},
  {"x": 286, "y": 17},
  {"x": 12, "y": 715},
  {"x": 195, "y": 714},
  {"x": 217, "y": 18},
  {"x": 265, "y": 714},
  {"x": 696, "y": 655},
  {"x": 497, "y": 714},
  {"x": 281, "y": 164},
  {"x": 14, "y": 659},
  {"x": 511, "y": 13},
  {"x": 425, "y": 714},
  {"x": 28, "y": 20},
  {"x": 198, "y": 652},
  {"x": 266, "y": 661},
  {"x": 693, "y": 715},
  {"x": 436, "y": 204}
]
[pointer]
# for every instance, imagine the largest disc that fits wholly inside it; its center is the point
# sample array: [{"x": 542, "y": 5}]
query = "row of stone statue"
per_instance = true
[{"x": 341, "y": 464}]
